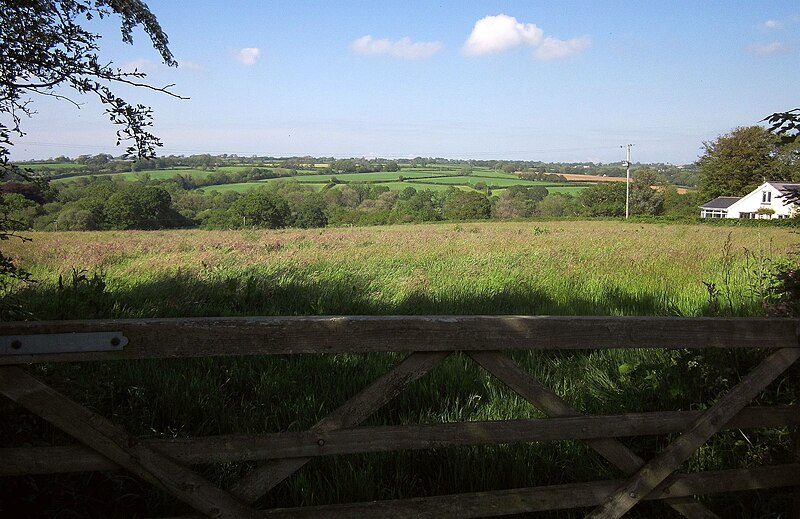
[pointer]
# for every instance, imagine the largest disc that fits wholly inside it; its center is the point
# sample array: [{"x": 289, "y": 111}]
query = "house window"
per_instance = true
[{"x": 766, "y": 197}]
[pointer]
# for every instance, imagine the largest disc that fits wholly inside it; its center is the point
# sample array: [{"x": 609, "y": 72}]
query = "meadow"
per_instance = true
[{"x": 545, "y": 267}]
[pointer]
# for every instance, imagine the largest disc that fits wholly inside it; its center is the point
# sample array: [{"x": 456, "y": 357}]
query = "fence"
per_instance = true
[{"x": 429, "y": 339}]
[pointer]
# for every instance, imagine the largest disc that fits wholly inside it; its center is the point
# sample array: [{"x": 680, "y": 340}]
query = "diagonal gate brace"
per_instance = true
[
  {"x": 120, "y": 447},
  {"x": 708, "y": 424},
  {"x": 529, "y": 388}
]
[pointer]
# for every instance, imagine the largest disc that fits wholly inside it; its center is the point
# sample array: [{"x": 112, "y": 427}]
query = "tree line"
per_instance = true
[{"x": 103, "y": 203}]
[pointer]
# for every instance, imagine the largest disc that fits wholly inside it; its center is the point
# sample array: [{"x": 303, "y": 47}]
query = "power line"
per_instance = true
[{"x": 170, "y": 150}]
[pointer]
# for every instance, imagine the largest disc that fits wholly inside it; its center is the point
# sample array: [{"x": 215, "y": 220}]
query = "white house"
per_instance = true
[{"x": 766, "y": 201}]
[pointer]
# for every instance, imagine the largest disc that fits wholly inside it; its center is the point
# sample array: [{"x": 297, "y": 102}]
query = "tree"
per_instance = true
[
  {"x": 467, "y": 205},
  {"x": 45, "y": 49},
  {"x": 738, "y": 162},
  {"x": 647, "y": 192},
  {"x": 519, "y": 201},
  {"x": 556, "y": 205},
  {"x": 606, "y": 199},
  {"x": 261, "y": 209},
  {"x": 139, "y": 207},
  {"x": 786, "y": 125}
]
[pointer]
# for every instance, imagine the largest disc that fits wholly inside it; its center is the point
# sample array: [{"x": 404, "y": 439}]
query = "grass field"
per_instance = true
[
  {"x": 434, "y": 178},
  {"x": 132, "y": 176},
  {"x": 570, "y": 268},
  {"x": 548, "y": 267}
]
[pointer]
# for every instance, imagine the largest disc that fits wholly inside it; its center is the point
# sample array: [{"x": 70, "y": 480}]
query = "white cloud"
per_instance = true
[
  {"x": 403, "y": 48},
  {"x": 493, "y": 34},
  {"x": 768, "y": 49},
  {"x": 772, "y": 24},
  {"x": 553, "y": 48},
  {"x": 248, "y": 55},
  {"x": 138, "y": 65}
]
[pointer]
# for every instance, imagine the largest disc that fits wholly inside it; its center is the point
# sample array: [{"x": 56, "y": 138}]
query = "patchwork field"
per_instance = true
[{"x": 437, "y": 178}]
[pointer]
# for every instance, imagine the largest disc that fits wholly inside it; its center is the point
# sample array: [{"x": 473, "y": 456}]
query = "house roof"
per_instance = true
[
  {"x": 721, "y": 202},
  {"x": 785, "y": 187}
]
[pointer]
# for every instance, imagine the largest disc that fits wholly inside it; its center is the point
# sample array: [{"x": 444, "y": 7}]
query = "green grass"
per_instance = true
[
  {"x": 565, "y": 189},
  {"x": 434, "y": 178},
  {"x": 156, "y": 174},
  {"x": 420, "y": 186},
  {"x": 573, "y": 268},
  {"x": 473, "y": 179},
  {"x": 241, "y": 187},
  {"x": 534, "y": 268}
]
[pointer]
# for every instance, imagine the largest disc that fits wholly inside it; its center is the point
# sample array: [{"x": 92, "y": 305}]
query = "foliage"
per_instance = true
[
  {"x": 519, "y": 201},
  {"x": 557, "y": 205},
  {"x": 261, "y": 209},
  {"x": 467, "y": 205},
  {"x": 47, "y": 47},
  {"x": 680, "y": 205},
  {"x": 647, "y": 192},
  {"x": 139, "y": 207},
  {"x": 784, "y": 290},
  {"x": 603, "y": 200},
  {"x": 785, "y": 124},
  {"x": 736, "y": 163}
]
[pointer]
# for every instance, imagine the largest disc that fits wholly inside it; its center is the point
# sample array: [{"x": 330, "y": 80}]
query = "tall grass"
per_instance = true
[{"x": 569, "y": 268}]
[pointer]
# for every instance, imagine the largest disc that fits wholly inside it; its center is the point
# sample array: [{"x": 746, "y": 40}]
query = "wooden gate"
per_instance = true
[{"x": 429, "y": 339}]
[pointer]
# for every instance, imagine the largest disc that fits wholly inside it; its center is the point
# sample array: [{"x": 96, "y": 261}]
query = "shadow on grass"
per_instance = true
[
  {"x": 305, "y": 292},
  {"x": 195, "y": 397}
]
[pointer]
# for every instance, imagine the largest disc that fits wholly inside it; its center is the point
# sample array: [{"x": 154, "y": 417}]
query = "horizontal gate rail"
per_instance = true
[
  {"x": 252, "y": 447},
  {"x": 203, "y": 337},
  {"x": 486, "y": 340},
  {"x": 539, "y": 499}
]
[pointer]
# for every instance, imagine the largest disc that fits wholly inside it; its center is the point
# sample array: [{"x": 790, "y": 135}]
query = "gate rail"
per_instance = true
[{"x": 429, "y": 339}]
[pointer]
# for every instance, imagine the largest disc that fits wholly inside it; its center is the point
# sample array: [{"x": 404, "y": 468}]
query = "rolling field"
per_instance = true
[
  {"x": 568, "y": 268},
  {"x": 132, "y": 176},
  {"x": 433, "y": 178}
]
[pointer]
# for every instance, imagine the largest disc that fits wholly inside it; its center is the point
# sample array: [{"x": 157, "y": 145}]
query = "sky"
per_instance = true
[{"x": 568, "y": 81}]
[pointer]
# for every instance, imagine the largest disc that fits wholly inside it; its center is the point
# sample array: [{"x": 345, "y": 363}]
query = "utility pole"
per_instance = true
[{"x": 627, "y": 178}]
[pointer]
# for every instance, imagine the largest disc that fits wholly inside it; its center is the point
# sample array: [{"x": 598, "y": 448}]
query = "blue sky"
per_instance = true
[{"x": 552, "y": 81}]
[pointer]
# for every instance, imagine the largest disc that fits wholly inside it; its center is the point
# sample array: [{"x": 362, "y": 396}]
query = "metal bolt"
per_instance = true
[
  {"x": 320, "y": 442},
  {"x": 633, "y": 495},
  {"x": 16, "y": 344},
  {"x": 115, "y": 341}
]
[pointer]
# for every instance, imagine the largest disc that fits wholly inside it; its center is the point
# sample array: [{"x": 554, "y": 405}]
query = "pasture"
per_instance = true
[
  {"x": 576, "y": 268},
  {"x": 436, "y": 178},
  {"x": 532, "y": 268}
]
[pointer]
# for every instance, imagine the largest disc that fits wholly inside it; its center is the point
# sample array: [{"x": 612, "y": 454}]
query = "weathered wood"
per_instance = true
[
  {"x": 357, "y": 409},
  {"x": 123, "y": 449},
  {"x": 540, "y": 499},
  {"x": 657, "y": 470},
  {"x": 529, "y": 388},
  {"x": 240, "y": 447},
  {"x": 201, "y": 337}
]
